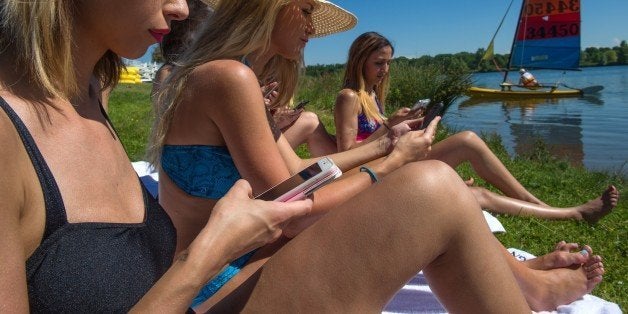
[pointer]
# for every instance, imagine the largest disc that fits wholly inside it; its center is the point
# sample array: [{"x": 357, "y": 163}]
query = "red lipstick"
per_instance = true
[{"x": 159, "y": 34}]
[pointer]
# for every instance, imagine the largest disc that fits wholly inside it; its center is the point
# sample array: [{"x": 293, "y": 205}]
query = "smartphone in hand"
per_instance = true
[
  {"x": 435, "y": 110},
  {"x": 301, "y": 104},
  {"x": 304, "y": 183},
  {"x": 421, "y": 103}
]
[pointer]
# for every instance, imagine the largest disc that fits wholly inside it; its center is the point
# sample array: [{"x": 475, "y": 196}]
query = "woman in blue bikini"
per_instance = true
[{"x": 213, "y": 112}]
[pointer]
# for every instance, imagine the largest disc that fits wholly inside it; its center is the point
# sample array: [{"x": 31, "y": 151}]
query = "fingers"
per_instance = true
[
  {"x": 431, "y": 128},
  {"x": 268, "y": 88},
  {"x": 414, "y": 123},
  {"x": 240, "y": 189},
  {"x": 294, "y": 209}
]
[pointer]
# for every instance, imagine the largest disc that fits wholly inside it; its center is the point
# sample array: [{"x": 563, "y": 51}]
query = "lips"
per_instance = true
[{"x": 159, "y": 34}]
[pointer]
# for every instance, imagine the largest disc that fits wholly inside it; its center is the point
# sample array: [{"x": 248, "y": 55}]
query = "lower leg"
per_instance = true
[
  {"x": 591, "y": 211},
  {"x": 357, "y": 256},
  {"x": 467, "y": 146}
]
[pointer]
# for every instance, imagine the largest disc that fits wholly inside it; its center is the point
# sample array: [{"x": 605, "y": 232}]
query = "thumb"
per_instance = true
[
  {"x": 240, "y": 189},
  {"x": 295, "y": 208}
]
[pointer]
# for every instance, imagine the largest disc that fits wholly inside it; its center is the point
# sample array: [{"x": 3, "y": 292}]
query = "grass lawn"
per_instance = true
[{"x": 554, "y": 181}]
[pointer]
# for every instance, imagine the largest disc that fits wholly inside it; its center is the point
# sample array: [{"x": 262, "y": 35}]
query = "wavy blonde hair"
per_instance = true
[
  {"x": 361, "y": 48},
  {"x": 235, "y": 29},
  {"x": 38, "y": 35}
]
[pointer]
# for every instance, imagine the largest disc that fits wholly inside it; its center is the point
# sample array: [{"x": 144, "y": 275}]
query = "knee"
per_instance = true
[
  {"x": 309, "y": 120},
  {"x": 470, "y": 138},
  {"x": 428, "y": 173}
]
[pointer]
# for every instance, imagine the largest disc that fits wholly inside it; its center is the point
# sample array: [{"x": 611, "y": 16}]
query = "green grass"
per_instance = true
[{"x": 554, "y": 181}]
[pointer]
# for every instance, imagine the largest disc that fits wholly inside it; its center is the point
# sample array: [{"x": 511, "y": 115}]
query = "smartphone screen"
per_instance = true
[
  {"x": 431, "y": 114},
  {"x": 287, "y": 185}
]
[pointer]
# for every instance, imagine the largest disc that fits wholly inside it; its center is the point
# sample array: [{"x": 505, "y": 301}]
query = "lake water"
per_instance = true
[{"x": 589, "y": 131}]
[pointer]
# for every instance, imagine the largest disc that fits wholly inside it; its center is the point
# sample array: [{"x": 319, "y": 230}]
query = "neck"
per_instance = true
[
  {"x": 258, "y": 61},
  {"x": 86, "y": 52}
]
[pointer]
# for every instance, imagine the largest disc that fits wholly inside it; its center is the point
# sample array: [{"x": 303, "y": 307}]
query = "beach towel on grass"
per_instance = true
[{"x": 416, "y": 296}]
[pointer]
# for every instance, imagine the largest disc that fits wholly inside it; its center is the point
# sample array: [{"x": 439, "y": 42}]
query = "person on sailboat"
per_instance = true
[{"x": 527, "y": 79}]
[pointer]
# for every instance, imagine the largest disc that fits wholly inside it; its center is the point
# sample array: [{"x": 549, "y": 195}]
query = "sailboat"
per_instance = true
[{"x": 547, "y": 37}]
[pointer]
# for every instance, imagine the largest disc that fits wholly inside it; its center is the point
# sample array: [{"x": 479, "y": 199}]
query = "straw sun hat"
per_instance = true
[{"x": 327, "y": 18}]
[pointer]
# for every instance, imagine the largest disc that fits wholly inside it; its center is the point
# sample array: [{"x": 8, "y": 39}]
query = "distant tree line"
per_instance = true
[{"x": 472, "y": 62}]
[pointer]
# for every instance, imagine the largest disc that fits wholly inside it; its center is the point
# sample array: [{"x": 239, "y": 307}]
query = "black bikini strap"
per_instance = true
[{"x": 55, "y": 209}]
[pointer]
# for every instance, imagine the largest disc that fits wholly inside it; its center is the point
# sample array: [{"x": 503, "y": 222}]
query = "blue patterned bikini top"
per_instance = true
[{"x": 200, "y": 170}]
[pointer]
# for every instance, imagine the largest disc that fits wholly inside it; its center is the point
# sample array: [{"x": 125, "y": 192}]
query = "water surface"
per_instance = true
[{"x": 589, "y": 131}]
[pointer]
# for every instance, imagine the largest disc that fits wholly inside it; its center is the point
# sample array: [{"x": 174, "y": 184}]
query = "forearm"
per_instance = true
[
  {"x": 190, "y": 271},
  {"x": 338, "y": 192},
  {"x": 365, "y": 153}
]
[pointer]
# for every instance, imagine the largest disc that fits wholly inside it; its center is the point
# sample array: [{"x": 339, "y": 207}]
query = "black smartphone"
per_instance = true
[
  {"x": 432, "y": 112},
  {"x": 304, "y": 183},
  {"x": 301, "y": 104}
]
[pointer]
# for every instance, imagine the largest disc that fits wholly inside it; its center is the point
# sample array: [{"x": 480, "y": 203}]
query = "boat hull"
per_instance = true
[{"x": 498, "y": 93}]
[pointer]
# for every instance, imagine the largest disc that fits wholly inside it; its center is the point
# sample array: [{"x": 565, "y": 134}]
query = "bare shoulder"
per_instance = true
[
  {"x": 221, "y": 76},
  {"x": 14, "y": 235},
  {"x": 347, "y": 99},
  {"x": 13, "y": 164}
]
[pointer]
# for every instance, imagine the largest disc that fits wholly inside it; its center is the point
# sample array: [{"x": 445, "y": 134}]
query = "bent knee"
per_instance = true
[
  {"x": 309, "y": 120},
  {"x": 432, "y": 172}
]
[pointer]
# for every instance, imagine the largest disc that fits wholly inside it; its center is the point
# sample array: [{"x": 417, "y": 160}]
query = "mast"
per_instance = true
[{"x": 514, "y": 39}]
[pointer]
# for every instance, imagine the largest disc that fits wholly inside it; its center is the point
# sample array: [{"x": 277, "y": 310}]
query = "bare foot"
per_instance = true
[
  {"x": 561, "y": 277},
  {"x": 470, "y": 181},
  {"x": 545, "y": 290},
  {"x": 595, "y": 209},
  {"x": 562, "y": 256}
]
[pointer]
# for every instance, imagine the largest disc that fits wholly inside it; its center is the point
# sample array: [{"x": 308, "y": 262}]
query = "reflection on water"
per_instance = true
[
  {"x": 588, "y": 131},
  {"x": 561, "y": 133}
]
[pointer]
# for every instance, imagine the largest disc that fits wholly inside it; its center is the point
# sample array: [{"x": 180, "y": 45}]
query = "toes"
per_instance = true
[
  {"x": 588, "y": 249},
  {"x": 597, "y": 271},
  {"x": 593, "y": 260},
  {"x": 592, "y": 282},
  {"x": 566, "y": 247},
  {"x": 559, "y": 246}
]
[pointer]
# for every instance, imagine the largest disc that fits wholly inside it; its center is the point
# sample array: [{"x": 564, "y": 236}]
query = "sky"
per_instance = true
[{"x": 431, "y": 27}]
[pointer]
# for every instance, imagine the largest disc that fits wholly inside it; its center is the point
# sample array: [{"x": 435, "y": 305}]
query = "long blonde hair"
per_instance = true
[
  {"x": 38, "y": 35},
  {"x": 361, "y": 48},
  {"x": 236, "y": 29}
]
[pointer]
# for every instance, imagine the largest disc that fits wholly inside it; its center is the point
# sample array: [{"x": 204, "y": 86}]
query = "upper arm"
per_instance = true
[
  {"x": 346, "y": 112},
  {"x": 13, "y": 254},
  {"x": 234, "y": 102}
]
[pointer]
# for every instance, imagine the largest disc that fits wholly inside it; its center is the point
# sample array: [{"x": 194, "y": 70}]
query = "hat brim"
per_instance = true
[{"x": 327, "y": 18}]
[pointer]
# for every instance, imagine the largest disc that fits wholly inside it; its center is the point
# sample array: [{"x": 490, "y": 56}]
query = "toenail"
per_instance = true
[{"x": 584, "y": 252}]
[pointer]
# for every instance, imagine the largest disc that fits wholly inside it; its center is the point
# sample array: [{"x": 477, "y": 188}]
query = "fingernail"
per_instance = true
[{"x": 584, "y": 252}]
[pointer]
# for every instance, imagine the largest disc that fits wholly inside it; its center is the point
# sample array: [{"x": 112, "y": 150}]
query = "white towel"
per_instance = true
[{"x": 416, "y": 296}]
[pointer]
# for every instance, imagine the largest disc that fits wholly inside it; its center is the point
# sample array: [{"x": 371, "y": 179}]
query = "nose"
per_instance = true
[{"x": 176, "y": 10}]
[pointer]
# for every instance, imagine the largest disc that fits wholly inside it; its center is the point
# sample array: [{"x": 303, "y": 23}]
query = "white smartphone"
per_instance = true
[
  {"x": 421, "y": 103},
  {"x": 304, "y": 183}
]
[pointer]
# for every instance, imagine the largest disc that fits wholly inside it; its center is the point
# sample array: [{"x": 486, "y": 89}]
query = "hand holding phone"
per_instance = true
[
  {"x": 304, "y": 183},
  {"x": 301, "y": 104},
  {"x": 433, "y": 112}
]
